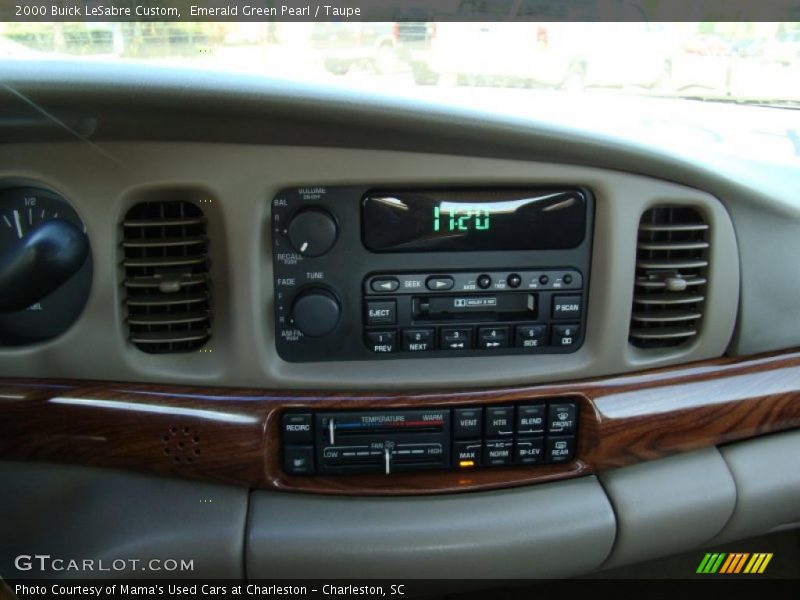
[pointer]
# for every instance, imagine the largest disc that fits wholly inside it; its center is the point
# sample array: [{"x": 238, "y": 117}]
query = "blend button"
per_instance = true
[
  {"x": 439, "y": 284},
  {"x": 531, "y": 419},
  {"x": 418, "y": 340},
  {"x": 384, "y": 284}
]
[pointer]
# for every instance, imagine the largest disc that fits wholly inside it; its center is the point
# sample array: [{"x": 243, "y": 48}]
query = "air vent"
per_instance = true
[
  {"x": 166, "y": 276},
  {"x": 671, "y": 270}
]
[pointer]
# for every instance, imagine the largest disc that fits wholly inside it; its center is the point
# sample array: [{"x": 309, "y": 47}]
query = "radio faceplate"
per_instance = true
[{"x": 337, "y": 300}]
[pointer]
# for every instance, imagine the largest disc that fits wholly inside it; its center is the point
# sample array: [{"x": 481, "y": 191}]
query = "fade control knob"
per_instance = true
[
  {"x": 316, "y": 312},
  {"x": 312, "y": 231}
]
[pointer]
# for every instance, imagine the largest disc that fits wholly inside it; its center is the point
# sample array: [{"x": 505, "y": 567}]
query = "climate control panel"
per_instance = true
[{"x": 398, "y": 440}]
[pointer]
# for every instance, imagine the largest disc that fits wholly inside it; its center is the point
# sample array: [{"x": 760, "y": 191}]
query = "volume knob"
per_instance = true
[
  {"x": 316, "y": 312},
  {"x": 312, "y": 232}
]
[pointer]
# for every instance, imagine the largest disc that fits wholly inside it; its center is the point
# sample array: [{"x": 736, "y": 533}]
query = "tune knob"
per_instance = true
[
  {"x": 312, "y": 232},
  {"x": 316, "y": 312}
]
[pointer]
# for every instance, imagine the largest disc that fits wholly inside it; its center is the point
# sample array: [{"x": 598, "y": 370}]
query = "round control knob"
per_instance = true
[
  {"x": 312, "y": 232},
  {"x": 316, "y": 312}
]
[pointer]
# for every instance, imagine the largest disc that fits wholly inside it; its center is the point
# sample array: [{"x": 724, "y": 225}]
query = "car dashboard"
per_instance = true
[{"x": 327, "y": 335}]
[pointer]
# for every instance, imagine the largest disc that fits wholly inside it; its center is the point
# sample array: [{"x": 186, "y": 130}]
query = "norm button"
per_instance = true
[
  {"x": 384, "y": 284},
  {"x": 381, "y": 313},
  {"x": 438, "y": 284},
  {"x": 418, "y": 340}
]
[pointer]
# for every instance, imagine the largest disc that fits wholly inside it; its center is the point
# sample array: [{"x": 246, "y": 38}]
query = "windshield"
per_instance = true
[{"x": 752, "y": 63}]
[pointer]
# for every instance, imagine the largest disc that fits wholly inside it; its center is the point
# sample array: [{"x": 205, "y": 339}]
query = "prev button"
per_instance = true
[{"x": 382, "y": 341}]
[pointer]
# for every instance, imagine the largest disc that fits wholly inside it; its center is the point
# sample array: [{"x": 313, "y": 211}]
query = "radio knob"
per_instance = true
[
  {"x": 312, "y": 232},
  {"x": 316, "y": 312}
]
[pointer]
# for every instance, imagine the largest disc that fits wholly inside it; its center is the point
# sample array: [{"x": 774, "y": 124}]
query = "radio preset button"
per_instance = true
[
  {"x": 467, "y": 422},
  {"x": 382, "y": 312},
  {"x": 566, "y": 307},
  {"x": 384, "y": 284},
  {"x": 382, "y": 341},
  {"x": 565, "y": 335},
  {"x": 438, "y": 284},
  {"x": 490, "y": 338},
  {"x": 484, "y": 281},
  {"x": 459, "y": 338},
  {"x": 529, "y": 451},
  {"x": 530, "y": 336},
  {"x": 498, "y": 453},
  {"x": 499, "y": 421},
  {"x": 418, "y": 340}
]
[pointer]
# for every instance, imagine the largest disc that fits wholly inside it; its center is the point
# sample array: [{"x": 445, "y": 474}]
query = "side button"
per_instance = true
[{"x": 298, "y": 460}]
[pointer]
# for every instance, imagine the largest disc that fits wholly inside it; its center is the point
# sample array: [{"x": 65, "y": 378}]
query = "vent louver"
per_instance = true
[
  {"x": 166, "y": 276},
  {"x": 671, "y": 271}
]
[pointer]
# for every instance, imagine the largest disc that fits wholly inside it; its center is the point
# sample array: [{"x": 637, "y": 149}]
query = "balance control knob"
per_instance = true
[
  {"x": 312, "y": 231},
  {"x": 316, "y": 312}
]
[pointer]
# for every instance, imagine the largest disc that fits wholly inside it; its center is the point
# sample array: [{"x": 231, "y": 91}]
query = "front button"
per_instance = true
[
  {"x": 498, "y": 453},
  {"x": 490, "y": 338},
  {"x": 382, "y": 313},
  {"x": 438, "y": 284},
  {"x": 566, "y": 307},
  {"x": 467, "y": 423},
  {"x": 561, "y": 418},
  {"x": 298, "y": 460},
  {"x": 382, "y": 341},
  {"x": 499, "y": 421},
  {"x": 384, "y": 284},
  {"x": 529, "y": 451},
  {"x": 565, "y": 335},
  {"x": 418, "y": 340},
  {"x": 456, "y": 338},
  {"x": 296, "y": 427},
  {"x": 531, "y": 419},
  {"x": 530, "y": 336},
  {"x": 560, "y": 449}
]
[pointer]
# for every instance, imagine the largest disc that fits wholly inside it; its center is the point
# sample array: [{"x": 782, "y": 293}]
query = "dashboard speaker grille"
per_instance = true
[
  {"x": 166, "y": 276},
  {"x": 671, "y": 271}
]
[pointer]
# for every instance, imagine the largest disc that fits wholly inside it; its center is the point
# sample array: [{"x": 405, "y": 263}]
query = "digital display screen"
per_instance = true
[{"x": 453, "y": 221}]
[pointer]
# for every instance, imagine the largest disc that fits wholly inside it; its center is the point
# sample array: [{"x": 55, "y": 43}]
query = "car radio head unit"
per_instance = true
[{"x": 378, "y": 273}]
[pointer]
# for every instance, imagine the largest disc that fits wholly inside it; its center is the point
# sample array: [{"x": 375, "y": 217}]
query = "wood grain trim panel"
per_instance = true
[{"x": 231, "y": 435}]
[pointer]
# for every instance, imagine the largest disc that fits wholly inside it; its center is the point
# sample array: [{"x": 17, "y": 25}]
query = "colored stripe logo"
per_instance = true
[{"x": 734, "y": 563}]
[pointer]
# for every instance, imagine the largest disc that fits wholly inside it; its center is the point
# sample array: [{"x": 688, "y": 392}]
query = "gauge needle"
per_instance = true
[{"x": 17, "y": 222}]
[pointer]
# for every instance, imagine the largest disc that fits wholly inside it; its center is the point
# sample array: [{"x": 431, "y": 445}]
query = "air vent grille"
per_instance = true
[
  {"x": 166, "y": 276},
  {"x": 671, "y": 271}
]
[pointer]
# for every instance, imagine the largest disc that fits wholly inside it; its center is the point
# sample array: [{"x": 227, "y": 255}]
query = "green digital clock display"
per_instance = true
[
  {"x": 473, "y": 220},
  {"x": 461, "y": 219}
]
